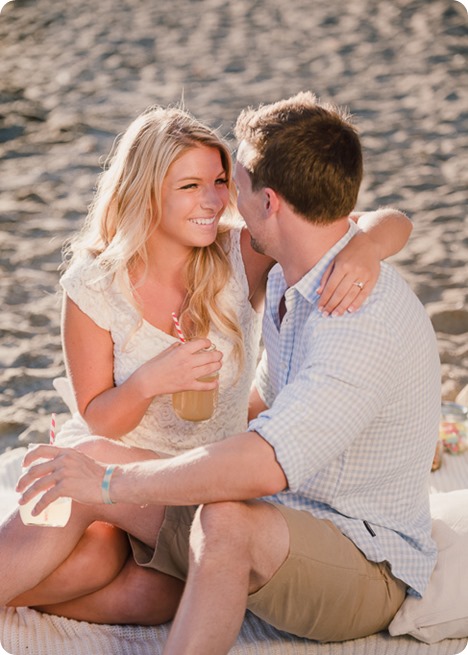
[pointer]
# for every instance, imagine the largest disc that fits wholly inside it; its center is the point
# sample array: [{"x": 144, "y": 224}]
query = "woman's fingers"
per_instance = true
[
  {"x": 346, "y": 291},
  {"x": 350, "y": 278},
  {"x": 341, "y": 293},
  {"x": 351, "y": 301}
]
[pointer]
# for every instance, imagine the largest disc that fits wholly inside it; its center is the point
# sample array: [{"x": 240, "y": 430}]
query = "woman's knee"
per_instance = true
[
  {"x": 109, "y": 545},
  {"x": 100, "y": 555}
]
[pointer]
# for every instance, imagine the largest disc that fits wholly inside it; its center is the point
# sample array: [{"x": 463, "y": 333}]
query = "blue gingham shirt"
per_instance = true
[{"x": 354, "y": 404}]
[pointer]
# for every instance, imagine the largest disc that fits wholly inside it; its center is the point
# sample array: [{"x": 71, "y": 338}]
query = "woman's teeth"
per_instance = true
[{"x": 202, "y": 221}]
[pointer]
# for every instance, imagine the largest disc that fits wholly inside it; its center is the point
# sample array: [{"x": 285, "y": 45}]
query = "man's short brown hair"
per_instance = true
[{"x": 308, "y": 152}]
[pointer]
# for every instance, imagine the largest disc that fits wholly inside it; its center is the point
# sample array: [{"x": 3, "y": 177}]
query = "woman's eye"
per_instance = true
[
  {"x": 189, "y": 186},
  {"x": 221, "y": 181}
]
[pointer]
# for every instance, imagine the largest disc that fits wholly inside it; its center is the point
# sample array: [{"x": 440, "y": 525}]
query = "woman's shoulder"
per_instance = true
[
  {"x": 84, "y": 269},
  {"x": 90, "y": 287}
]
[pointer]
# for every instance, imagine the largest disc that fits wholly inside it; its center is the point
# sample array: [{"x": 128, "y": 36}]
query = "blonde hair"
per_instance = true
[{"x": 127, "y": 208}]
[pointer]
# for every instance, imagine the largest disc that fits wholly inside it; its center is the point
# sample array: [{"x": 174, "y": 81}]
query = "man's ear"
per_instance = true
[{"x": 272, "y": 201}]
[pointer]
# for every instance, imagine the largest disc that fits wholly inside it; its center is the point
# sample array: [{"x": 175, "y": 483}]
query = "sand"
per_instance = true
[{"x": 74, "y": 74}]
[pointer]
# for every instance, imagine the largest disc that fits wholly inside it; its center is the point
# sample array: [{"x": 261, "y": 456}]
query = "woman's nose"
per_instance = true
[{"x": 212, "y": 199}]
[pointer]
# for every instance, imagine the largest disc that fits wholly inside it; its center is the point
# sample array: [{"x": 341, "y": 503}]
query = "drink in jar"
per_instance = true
[
  {"x": 197, "y": 405},
  {"x": 56, "y": 515}
]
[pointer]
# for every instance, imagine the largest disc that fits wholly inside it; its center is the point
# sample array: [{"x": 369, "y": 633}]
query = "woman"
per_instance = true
[{"x": 158, "y": 241}]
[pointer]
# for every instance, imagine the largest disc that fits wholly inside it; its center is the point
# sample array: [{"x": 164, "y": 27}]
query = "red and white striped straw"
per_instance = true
[
  {"x": 52, "y": 429},
  {"x": 178, "y": 328}
]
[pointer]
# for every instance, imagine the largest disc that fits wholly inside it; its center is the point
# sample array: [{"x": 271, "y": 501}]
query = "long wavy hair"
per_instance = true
[{"x": 127, "y": 208}]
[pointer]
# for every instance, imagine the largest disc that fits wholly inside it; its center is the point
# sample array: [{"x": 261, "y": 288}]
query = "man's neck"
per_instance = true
[{"x": 304, "y": 247}]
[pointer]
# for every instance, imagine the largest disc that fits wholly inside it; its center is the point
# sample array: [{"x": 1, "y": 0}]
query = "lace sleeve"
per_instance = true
[{"x": 82, "y": 284}]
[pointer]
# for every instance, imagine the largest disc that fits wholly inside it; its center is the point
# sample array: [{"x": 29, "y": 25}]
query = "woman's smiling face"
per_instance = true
[{"x": 194, "y": 196}]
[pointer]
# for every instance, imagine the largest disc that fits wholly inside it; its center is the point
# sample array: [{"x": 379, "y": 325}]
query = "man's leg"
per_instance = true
[
  {"x": 297, "y": 572},
  {"x": 332, "y": 591},
  {"x": 235, "y": 549}
]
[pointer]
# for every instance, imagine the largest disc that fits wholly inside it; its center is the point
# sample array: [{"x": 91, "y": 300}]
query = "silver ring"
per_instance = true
[{"x": 359, "y": 284}]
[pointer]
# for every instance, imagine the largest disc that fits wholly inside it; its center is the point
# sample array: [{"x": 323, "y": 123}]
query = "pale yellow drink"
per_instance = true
[
  {"x": 197, "y": 405},
  {"x": 56, "y": 515}
]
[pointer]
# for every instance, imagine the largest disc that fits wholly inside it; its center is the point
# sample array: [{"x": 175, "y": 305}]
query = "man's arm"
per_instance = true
[{"x": 238, "y": 468}]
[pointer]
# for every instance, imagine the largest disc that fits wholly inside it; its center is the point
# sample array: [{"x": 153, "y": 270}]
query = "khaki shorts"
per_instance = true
[{"x": 325, "y": 590}]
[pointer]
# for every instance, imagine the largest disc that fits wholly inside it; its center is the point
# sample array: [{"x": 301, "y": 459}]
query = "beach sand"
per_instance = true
[{"x": 74, "y": 74}]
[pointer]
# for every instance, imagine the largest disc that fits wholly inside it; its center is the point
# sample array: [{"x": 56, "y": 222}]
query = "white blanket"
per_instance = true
[{"x": 27, "y": 632}]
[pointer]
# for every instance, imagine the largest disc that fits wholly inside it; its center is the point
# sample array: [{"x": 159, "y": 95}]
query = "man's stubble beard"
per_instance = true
[{"x": 257, "y": 246}]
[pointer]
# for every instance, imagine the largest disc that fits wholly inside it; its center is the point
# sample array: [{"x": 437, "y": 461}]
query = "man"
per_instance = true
[{"x": 347, "y": 414}]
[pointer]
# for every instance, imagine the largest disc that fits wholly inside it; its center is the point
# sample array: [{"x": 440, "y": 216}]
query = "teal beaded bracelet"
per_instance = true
[{"x": 105, "y": 486}]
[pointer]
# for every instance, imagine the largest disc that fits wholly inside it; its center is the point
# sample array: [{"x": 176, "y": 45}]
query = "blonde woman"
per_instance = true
[{"x": 162, "y": 237}]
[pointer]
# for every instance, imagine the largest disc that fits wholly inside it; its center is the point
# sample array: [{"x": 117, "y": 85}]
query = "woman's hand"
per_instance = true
[
  {"x": 351, "y": 276},
  {"x": 179, "y": 368},
  {"x": 68, "y": 473}
]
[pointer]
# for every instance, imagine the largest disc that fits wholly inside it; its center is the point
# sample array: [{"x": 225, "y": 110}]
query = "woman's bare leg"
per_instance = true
[
  {"x": 31, "y": 553},
  {"x": 136, "y": 596},
  {"x": 101, "y": 553}
]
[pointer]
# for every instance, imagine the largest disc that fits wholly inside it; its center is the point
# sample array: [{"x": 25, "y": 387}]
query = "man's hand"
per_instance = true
[{"x": 67, "y": 473}]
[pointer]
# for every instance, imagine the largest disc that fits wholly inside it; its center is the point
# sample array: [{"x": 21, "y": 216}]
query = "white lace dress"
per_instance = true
[{"x": 160, "y": 429}]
